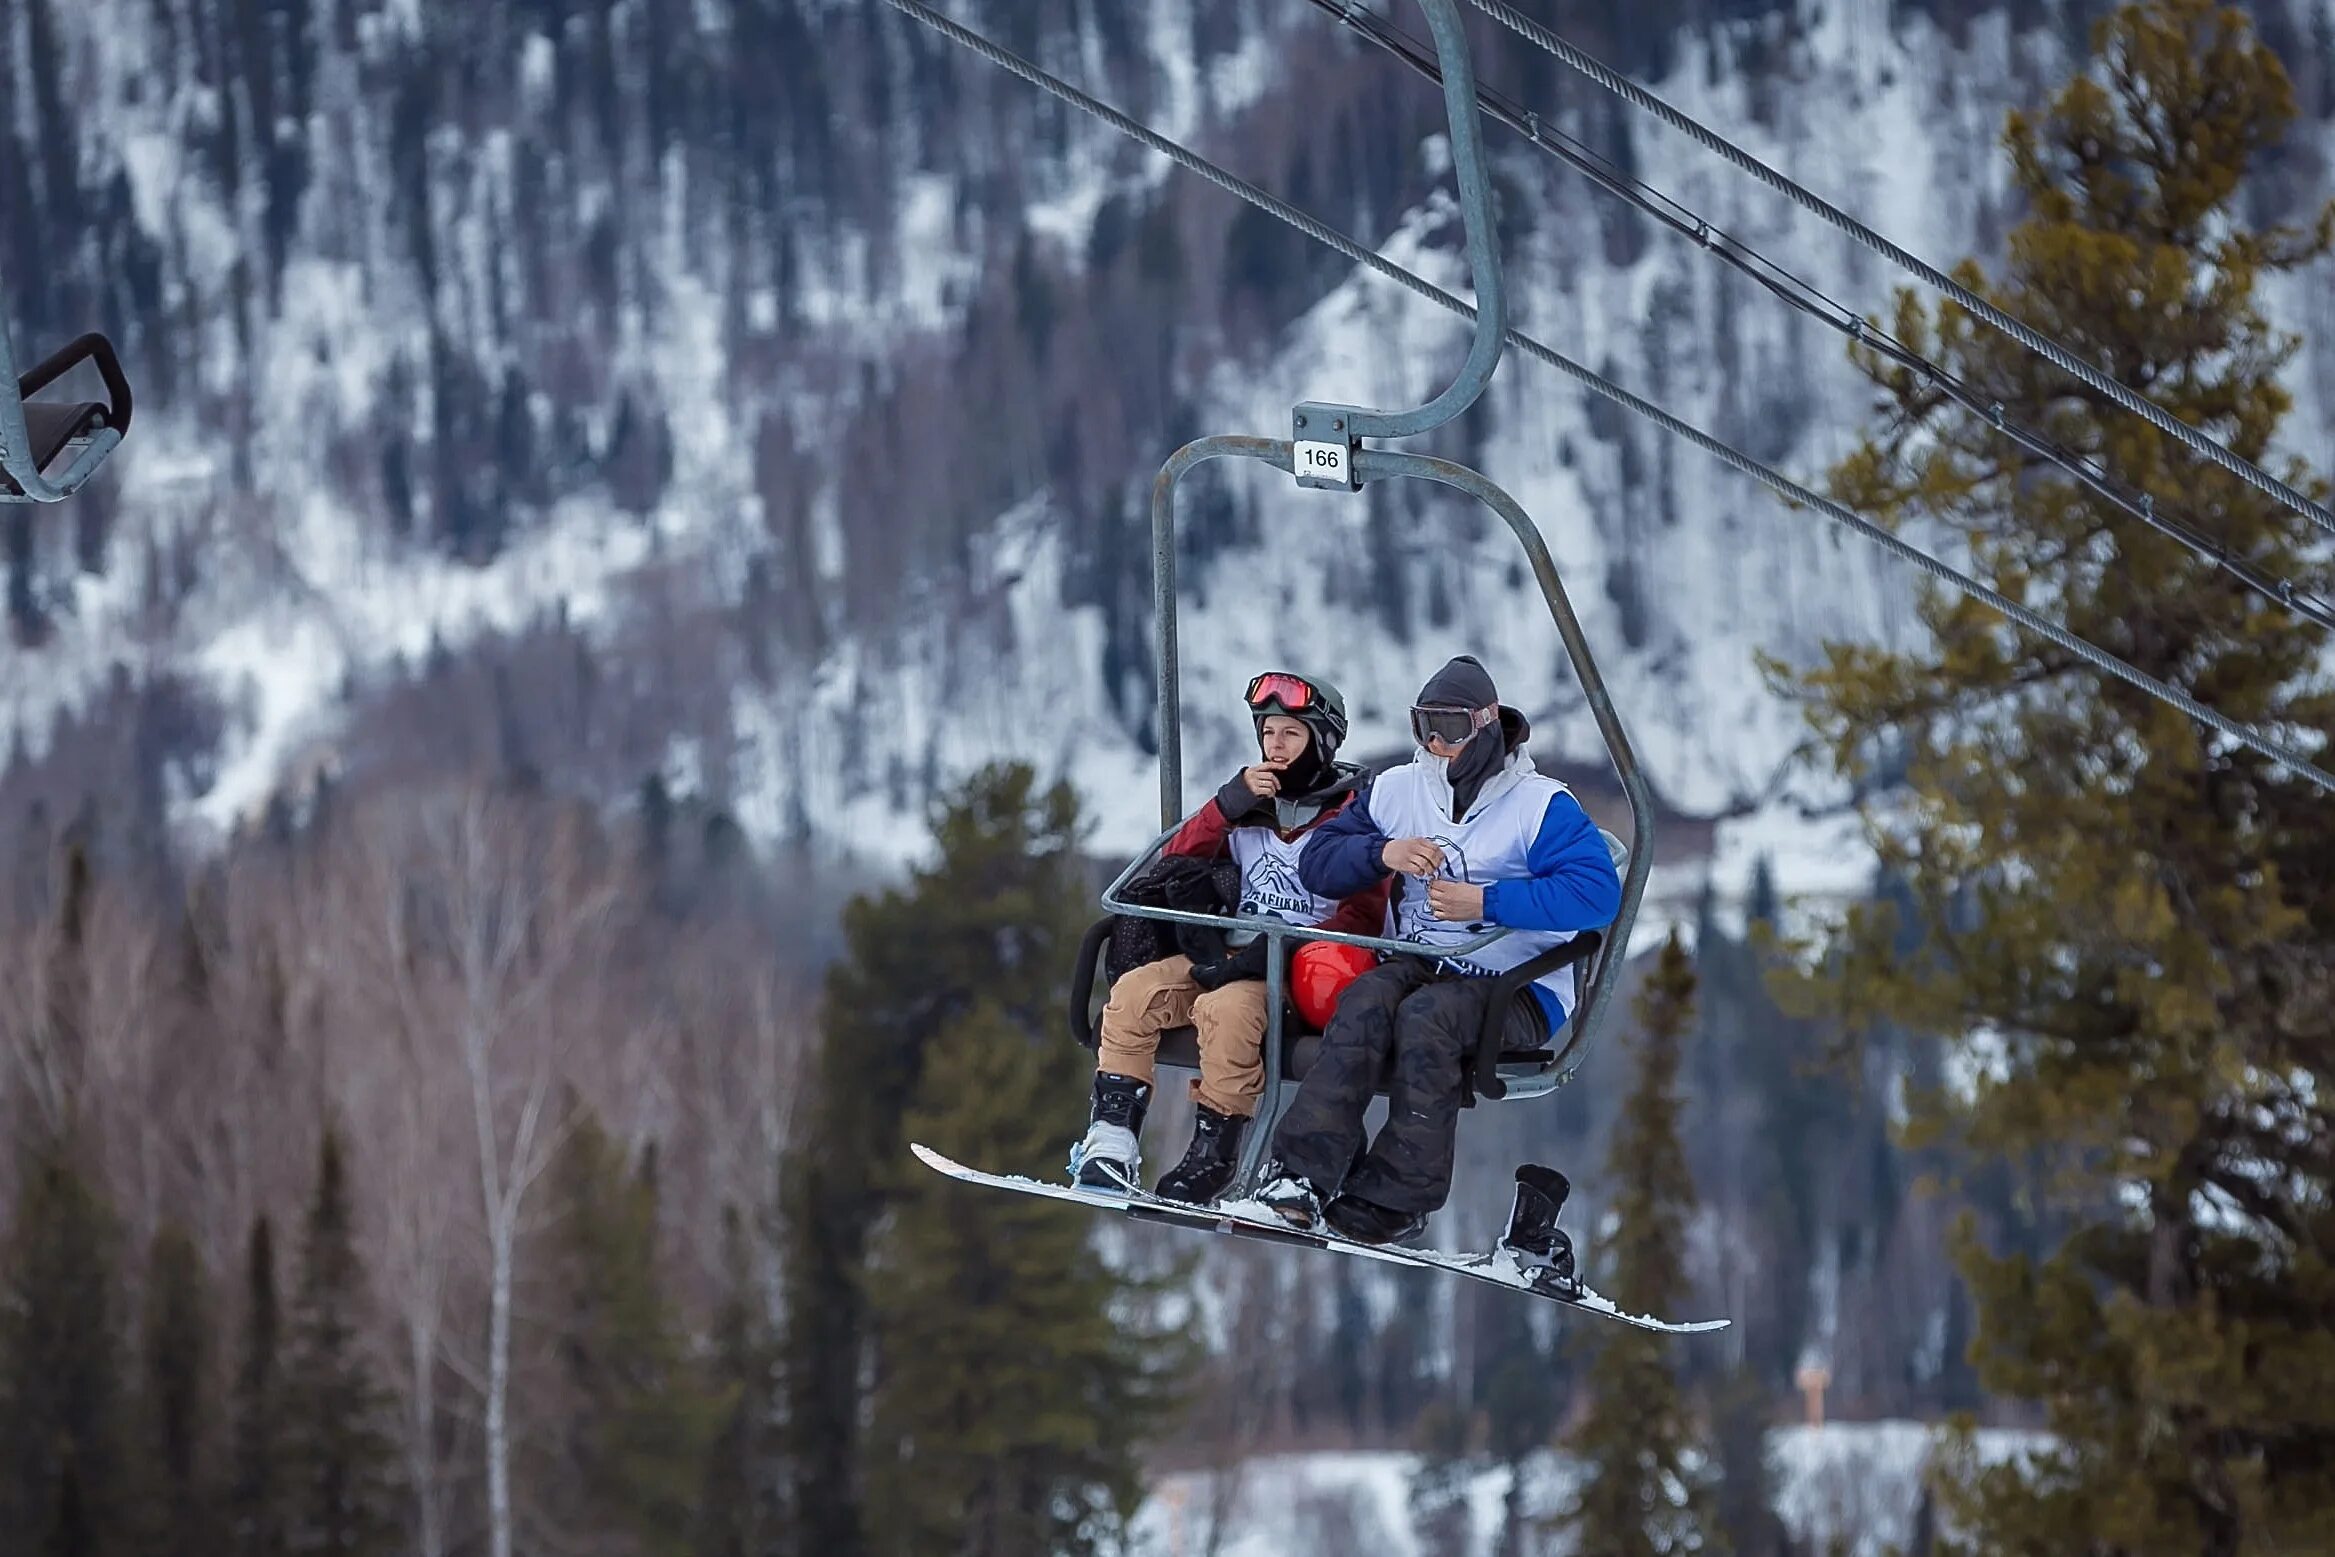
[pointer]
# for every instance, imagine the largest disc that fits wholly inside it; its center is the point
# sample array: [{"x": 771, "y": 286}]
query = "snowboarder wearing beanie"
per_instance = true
[
  {"x": 1470, "y": 835},
  {"x": 1264, "y": 817}
]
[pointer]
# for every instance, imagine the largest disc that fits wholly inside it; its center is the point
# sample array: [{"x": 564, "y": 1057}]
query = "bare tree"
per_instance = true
[
  {"x": 735, "y": 1033},
  {"x": 406, "y": 1102},
  {"x": 486, "y": 909},
  {"x": 44, "y": 1000}
]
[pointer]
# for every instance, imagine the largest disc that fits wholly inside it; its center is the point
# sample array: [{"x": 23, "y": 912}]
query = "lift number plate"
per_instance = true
[{"x": 1322, "y": 464}]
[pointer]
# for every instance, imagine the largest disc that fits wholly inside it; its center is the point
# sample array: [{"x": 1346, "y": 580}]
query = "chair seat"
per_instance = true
[
  {"x": 1179, "y": 1048},
  {"x": 54, "y": 426}
]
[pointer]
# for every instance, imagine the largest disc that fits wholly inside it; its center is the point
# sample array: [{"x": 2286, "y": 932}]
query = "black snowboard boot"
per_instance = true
[
  {"x": 1541, "y": 1248},
  {"x": 1209, "y": 1162},
  {"x": 1366, "y": 1221},
  {"x": 1111, "y": 1154}
]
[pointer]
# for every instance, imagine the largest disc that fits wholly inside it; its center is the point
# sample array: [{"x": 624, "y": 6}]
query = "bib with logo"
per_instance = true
[
  {"x": 1492, "y": 844},
  {"x": 1269, "y": 884}
]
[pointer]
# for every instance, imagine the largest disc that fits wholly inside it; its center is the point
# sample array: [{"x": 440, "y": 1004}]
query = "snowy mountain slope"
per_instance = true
[{"x": 429, "y": 238}]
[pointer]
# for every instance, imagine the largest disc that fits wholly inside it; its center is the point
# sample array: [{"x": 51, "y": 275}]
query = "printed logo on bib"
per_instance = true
[
  {"x": 1454, "y": 858},
  {"x": 1271, "y": 887},
  {"x": 1418, "y": 921}
]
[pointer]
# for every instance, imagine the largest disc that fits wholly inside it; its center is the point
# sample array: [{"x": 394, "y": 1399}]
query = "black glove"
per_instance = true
[
  {"x": 1191, "y": 887},
  {"x": 1247, "y": 963},
  {"x": 1236, "y": 799},
  {"x": 1194, "y": 886}
]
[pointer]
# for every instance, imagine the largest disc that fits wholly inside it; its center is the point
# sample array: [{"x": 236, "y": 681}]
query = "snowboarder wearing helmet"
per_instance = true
[
  {"x": 1471, "y": 835},
  {"x": 1263, "y": 818}
]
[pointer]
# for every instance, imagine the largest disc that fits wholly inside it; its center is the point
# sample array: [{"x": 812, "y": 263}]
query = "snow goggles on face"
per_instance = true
[
  {"x": 1295, "y": 694},
  {"x": 1449, "y": 725}
]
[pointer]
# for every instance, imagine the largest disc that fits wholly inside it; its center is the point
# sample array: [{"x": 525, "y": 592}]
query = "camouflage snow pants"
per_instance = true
[{"x": 1405, "y": 1020}]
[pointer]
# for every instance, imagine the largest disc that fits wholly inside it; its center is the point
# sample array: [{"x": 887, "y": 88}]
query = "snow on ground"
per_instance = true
[{"x": 1848, "y": 1488}]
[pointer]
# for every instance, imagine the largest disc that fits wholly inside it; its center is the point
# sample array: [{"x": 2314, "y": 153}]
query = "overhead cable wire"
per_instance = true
[
  {"x": 1994, "y": 318},
  {"x": 1784, "y": 486},
  {"x": 1839, "y": 317}
]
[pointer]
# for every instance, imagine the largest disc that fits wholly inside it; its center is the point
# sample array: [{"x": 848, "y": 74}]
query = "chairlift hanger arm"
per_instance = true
[{"x": 1321, "y": 426}]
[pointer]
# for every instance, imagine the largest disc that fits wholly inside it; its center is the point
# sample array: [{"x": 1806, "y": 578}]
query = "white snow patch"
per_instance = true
[
  {"x": 1850, "y": 1488},
  {"x": 1981, "y": 1057},
  {"x": 538, "y": 67}
]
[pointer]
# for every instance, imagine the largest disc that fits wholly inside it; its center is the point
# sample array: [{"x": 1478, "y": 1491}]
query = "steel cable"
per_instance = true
[
  {"x": 1792, "y": 491},
  {"x": 2035, "y": 341}
]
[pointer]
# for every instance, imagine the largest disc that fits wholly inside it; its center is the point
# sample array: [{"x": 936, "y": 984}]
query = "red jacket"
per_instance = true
[{"x": 1207, "y": 833}]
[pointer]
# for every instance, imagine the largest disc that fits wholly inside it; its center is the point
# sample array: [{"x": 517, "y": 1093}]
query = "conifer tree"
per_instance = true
[
  {"x": 1645, "y": 1489},
  {"x": 338, "y": 1455},
  {"x": 2131, "y": 913},
  {"x": 639, "y": 1423},
  {"x": 994, "y": 918},
  {"x": 177, "y": 1427},
  {"x": 61, "y": 1462},
  {"x": 1745, "y": 1497},
  {"x": 741, "y": 1511},
  {"x": 1012, "y": 1394},
  {"x": 258, "y": 1486}
]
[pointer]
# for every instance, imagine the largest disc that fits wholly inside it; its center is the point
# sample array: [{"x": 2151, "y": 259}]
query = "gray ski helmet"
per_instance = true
[{"x": 1320, "y": 707}]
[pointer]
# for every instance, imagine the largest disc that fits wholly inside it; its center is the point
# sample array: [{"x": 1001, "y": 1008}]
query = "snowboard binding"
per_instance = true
[{"x": 1541, "y": 1249}]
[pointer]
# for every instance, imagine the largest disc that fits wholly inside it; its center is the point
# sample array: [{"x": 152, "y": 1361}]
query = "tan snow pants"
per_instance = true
[{"x": 1231, "y": 1021}]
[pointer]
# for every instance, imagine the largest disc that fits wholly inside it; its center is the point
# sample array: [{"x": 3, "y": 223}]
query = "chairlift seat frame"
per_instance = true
[
  {"x": 34, "y": 435},
  {"x": 1494, "y": 1072}
]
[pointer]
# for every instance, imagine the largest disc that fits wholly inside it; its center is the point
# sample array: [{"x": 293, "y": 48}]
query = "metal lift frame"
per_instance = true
[
  {"x": 98, "y": 430},
  {"x": 1325, "y": 452}
]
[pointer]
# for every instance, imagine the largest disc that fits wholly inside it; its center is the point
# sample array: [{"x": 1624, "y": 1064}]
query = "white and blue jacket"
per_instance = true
[{"x": 1544, "y": 866}]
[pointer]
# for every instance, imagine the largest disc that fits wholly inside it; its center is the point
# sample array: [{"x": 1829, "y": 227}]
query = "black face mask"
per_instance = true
[
  {"x": 1477, "y": 761},
  {"x": 1309, "y": 772}
]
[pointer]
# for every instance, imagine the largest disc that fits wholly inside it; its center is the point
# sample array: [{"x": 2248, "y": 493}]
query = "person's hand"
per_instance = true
[
  {"x": 1456, "y": 900},
  {"x": 1411, "y": 856},
  {"x": 1248, "y": 789},
  {"x": 1262, "y": 780}
]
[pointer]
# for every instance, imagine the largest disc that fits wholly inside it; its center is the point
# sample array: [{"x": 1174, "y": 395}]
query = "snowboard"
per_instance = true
[{"x": 1249, "y": 1219}]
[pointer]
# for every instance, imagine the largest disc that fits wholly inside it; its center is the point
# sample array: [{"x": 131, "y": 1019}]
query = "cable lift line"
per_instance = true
[
  {"x": 1784, "y": 486},
  {"x": 2034, "y": 340},
  {"x": 1811, "y": 301}
]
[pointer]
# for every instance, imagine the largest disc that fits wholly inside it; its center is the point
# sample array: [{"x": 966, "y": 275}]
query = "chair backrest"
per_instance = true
[
  {"x": 1585, "y": 969},
  {"x": 1615, "y": 847},
  {"x": 54, "y": 426}
]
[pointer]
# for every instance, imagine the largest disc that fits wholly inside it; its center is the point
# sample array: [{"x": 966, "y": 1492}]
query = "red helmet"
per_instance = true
[{"x": 1319, "y": 974}]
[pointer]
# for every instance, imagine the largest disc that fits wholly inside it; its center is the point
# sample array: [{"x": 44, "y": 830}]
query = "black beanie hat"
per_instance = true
[{"x": 1461, "y": 683}]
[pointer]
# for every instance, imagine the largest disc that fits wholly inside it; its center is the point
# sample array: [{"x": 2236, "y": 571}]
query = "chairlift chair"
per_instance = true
[
  {"x": 36, "y": 435},
  {"x": 1326, "y": 451}
]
